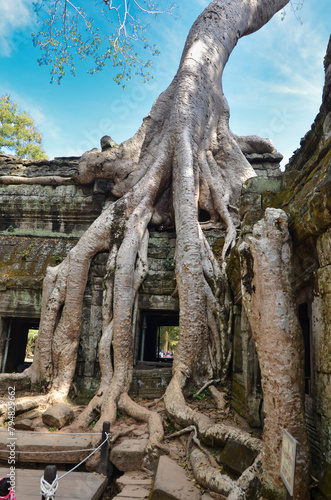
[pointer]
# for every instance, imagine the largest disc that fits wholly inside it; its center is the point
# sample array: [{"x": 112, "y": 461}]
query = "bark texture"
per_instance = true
[
  {"x": 183, "y": 158},
  {"x": 268, "y": 297}
]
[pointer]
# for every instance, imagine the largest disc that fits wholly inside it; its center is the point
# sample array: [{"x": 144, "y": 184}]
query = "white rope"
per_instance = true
[
  {"x": 56, "y": 434},
  {"x": 98, "y": 448},
  {"x": 48, "y": 490}
]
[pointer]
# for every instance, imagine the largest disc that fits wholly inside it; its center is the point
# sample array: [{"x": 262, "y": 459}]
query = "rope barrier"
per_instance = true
[
  {"x": 55, "y": 434},
  {"x": 49, "y": 452},
  {"x": 49, "y": 490}
]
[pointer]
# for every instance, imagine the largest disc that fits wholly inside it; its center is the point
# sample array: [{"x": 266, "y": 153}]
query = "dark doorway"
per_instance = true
[
  {"x": 19, "y": 344},
  {"x": 304, "y": 320},
  {"x": 159, "y": 336}
]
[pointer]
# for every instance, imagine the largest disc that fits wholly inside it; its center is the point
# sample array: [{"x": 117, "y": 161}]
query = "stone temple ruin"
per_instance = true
[{"x": 39, "y": 224}]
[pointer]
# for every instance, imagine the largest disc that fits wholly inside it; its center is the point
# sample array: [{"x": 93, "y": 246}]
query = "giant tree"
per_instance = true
[{"x": 183, "y": 158}]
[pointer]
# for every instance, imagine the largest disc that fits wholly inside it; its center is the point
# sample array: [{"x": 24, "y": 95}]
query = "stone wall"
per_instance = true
[
  {"x": 304, "y": 192},
  {"x": 39, "y": 224}
]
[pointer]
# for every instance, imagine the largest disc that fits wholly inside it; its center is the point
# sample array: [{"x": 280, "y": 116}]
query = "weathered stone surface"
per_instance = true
[
  {"x": 133, "y": 485},
  {"x": 133, "y": 492},
  {"x": 24, "y": 260},
  {"x": 26, "y": 405},
  {"x": 324, "y": 248},
  {"x": 150, "y": 382},
  {"x": 264, "y": 157},
  {"x": 236, "y": 457},
  {"x": 324, "y": 489},
  {"x": 28, "y": 415},
  {"x": 137, "y": 478},
  {"x": 16, "y": 166},
  {"x": 58, "y": 415},
  {"x": 128, "y": 455},
  {"x": 171, "y": 482},
  {"x": 21, "y": 384},
  {"x": 24, "y": 424},
  {"x": 53, "y": 447}
]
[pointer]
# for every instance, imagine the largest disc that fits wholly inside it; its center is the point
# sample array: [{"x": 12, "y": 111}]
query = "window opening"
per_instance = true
[
  {"x": 159, "y": 336},
  {"x": 20, "y": 344}
]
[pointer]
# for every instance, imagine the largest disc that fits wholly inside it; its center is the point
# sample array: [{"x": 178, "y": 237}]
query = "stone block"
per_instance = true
[
  {"x": 134, "y": 492},
  {"x": 150, "y": 382},
  {"x": 58, "y": 415},
  {"x": 128, "y": 455},
  {"x": 171, "y": 482},
  {"x": 28, "y": 415},
  {"x": 134, "y": 478},
  {"x": 236, "y": 457},
  {"x": 27, "y": 405},
  {"x": 158, "y": 248},
  {"x": 24, "y": 424}
]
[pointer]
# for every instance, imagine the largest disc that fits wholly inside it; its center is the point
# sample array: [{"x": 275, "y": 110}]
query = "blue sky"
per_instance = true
[{"x": 273, "y": 80}]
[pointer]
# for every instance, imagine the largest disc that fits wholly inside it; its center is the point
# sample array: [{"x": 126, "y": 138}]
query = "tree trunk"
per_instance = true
[{"x": 268, "y": 297}]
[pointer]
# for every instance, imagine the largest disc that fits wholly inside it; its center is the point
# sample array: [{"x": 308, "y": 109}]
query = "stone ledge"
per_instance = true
[{"x": 171, "y": 482}]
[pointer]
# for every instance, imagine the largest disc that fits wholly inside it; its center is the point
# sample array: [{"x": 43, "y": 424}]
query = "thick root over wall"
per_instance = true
[{"x": 183, "y": 158}]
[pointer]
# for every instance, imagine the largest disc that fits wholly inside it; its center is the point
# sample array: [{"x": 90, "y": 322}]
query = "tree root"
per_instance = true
[
  {"x": 153, "y": 420},
  {"x": 155, "y": 402},
  {"x": 219, "y": 397},
  {"x": 194, "y": 437},
  {"x": 206, "y": 385},
  {"x": 209, "y": 432},
  {"x": 219, "y": 482},
  {"x": 208, "y": 476},
  {"x": 246, "y": 479},
  {"x": 121, "y": 433}
]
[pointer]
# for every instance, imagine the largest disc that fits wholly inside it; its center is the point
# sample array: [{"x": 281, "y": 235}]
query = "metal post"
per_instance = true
[
  {"x": 49, "y": 475},
  {"x": 105, "y": 467}
]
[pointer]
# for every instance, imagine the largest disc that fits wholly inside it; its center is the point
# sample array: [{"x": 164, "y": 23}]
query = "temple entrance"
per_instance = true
[
  {"x": 159, "y": 336},
  {"x": 19, "y": 344}
]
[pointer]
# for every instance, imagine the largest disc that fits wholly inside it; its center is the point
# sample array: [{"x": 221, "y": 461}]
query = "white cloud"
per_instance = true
[{"x": 15, "y": 17}]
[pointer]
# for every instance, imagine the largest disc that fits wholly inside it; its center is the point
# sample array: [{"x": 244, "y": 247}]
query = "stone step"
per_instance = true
[
  {"x": 74, "y": 486},
  {"x": 171, "y": 482},
  {"x": 134, "y": 485},
  {"x": 52, "y": 447},
  {"x": 129, "y": 454}
]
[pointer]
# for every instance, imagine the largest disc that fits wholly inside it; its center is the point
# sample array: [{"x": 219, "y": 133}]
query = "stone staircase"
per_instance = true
[
  {"x": 169, "y": 483},
  {"x": 134, "y": 485}
]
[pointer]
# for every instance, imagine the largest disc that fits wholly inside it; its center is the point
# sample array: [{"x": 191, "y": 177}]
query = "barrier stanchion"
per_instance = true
[
  {"x": 105, "y": 466},
  {"x": 50, "y": 475}
]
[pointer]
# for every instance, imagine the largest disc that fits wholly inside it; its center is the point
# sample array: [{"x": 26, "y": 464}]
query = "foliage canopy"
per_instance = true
[
  {"x": 68, "y": 31},
  {"x": 18, "y": 132},
  {"x": 102, "y": 31}
]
